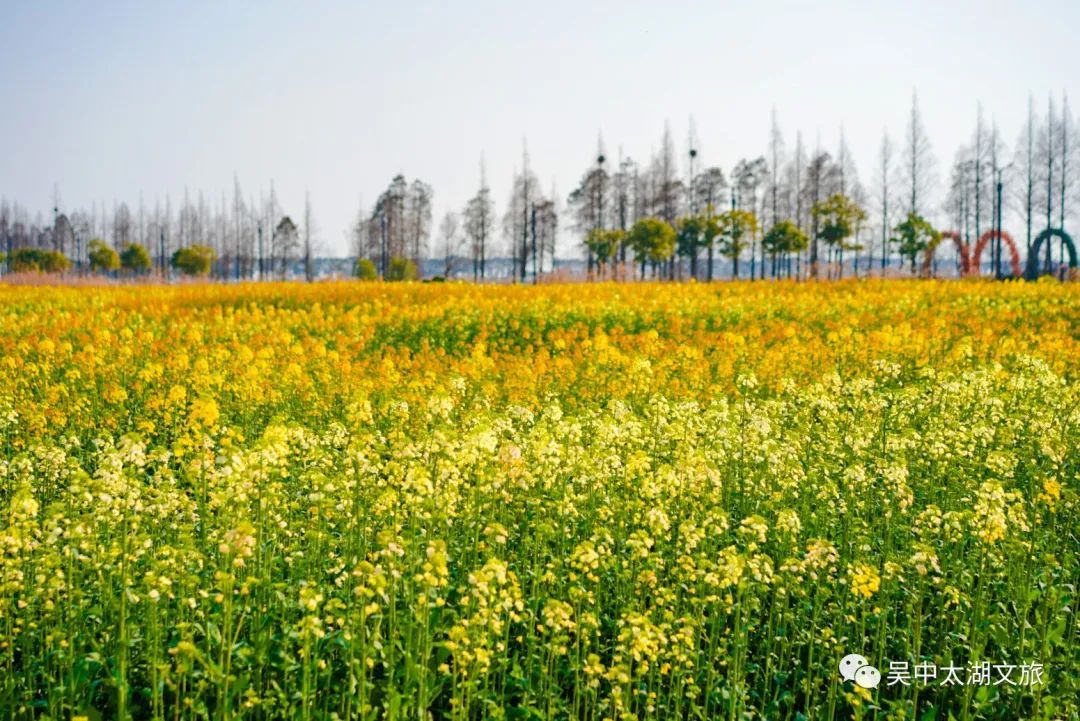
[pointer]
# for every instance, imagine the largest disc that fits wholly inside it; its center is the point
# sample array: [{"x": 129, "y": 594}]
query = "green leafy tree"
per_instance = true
[
  {"x": 783, "y": 239},
  {"x": 103, "y": 259},
  {"x": 136, "y": 259},
  {"x": 838, "y": 218},
  {"x": 35, "y": 260},
  {"x": 194, "y": 260},
  {"x": 365, "y": 269},
  {"x": 54, "y": 261},
  {"x": 914, "y": 236},
  {"x": 604, "y": 245},
  {"x": 695, "y": 233},
  {"x": 653, "y": 242},
  {"x": 736, "y": 226},
  {"x": 401, "y": 269},
  {"x": 25, "y": 260}
]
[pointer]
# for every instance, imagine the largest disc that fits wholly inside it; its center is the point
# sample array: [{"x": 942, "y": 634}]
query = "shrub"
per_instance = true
[
  {"x": 103, "y": 259},
  {"x": 194, "y": 260},
  {"x": 136, "y": 259},
  {"x": 365, "y": 269},
  {"x": 35, "y": 260},
  {"x": 401, "y": 269}
]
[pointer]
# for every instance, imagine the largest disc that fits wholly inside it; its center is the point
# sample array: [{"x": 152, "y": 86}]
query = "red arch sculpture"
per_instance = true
[
  {"x": 980, "y": 245},
  {"x": 961, "y": 250}
]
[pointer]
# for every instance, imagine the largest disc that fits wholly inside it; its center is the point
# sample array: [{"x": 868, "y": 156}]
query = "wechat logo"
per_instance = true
[{"x": 854, "y": 667}]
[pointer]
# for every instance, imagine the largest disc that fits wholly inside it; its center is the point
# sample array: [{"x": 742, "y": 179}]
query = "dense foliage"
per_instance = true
[
  {"x": 136, "y": 259},
  {"x": 194, "y": 260},
  {"x": 102, "y": 258},
  {"x": 34, "y": 260}
]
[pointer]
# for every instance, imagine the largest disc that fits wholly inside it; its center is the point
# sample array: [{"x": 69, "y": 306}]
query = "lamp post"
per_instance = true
[
  {"x": 998, "y": 184},
  {"x": 600, "y": 188},
  {"x": 692, "y": 206},
  {"x": 598, "y": 221},
  {"x": 997, "y": 235},
  {"x": 690, "y": 188}
]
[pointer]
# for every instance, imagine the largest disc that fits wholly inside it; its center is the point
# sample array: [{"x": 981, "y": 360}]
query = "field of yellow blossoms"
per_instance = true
[{"x": 623, "y": 502}]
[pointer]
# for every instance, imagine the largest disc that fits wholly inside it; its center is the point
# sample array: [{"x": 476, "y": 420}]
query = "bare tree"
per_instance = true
[
  {"x": 822, "y": 180},
  {"x": 1055, "y": 171},
  {"x": 917, "y": 164},
  {"x": 667, "y": 186},
  {"x": 269, "y": 257},
  {"x": 795, "y": 172},
  {"x": 63, "y": 234},
  {"x": 978, "y": 168},
  {"x": 1025, "y": 167},
  {"x": 848, "y": 184},
  {"x": 358, "y": 235},
  {"x": 546, "y": 235},
  {"x": 166, "y": 233},
  {"x": 960, "y": 202},
  {"x": 746, "y": 178},
  {"x": 417, "y": 220},
  {"x": 847, "y": 174},
  {"x": 479, "y": 218},
  {"x": 285, "y": 242},
  {"x": 623, "y": 187},
  {"x": 140, "y": 221},
  {"x": 389, "y": 223},
  {"x": 80, "y": 235},
  {"x": 449, "y": 242},
  {"x": 882, "y": 194},
  {"x": 220, "y": 240},
  {"x": 516, "y": 221},
  {"x": 122, "y": 227},
  {"x": 776, "y": 164},
  {"x": 589, "y": 204},
  {"x": 202, "y": 222},
  {"x": 995, "y": 152},
  {"x": 1047, "y": 153},
  {"x": 710, "y": 187},
  {"x": 1068, "y": 166}
]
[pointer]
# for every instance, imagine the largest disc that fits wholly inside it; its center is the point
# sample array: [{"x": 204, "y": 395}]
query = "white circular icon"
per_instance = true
[
  {"x": 850, "y": 664},
  {"x": 868, "y": 677}
]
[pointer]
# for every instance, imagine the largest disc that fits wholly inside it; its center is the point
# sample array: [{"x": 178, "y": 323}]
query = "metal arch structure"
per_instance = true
[
  {"x": 961, "y": 251},
  {"x": 975, "y": 262},
  {"x": 1036, "y": 246}
]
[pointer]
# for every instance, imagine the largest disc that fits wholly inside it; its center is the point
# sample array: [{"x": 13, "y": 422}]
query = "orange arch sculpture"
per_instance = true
[
  {"x": 980, "y": 245},
  {"x": 961, "y": 251}
]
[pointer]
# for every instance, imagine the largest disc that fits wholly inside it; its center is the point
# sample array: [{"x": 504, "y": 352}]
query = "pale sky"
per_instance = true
[{"x": 106, "y": 99}]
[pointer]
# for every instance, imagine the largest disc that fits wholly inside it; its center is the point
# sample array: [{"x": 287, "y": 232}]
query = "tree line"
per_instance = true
[
  {"x": 792, "y": 212},
  {"x": 233, "y": 239},
  {"x": 795, "y": 212}
]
